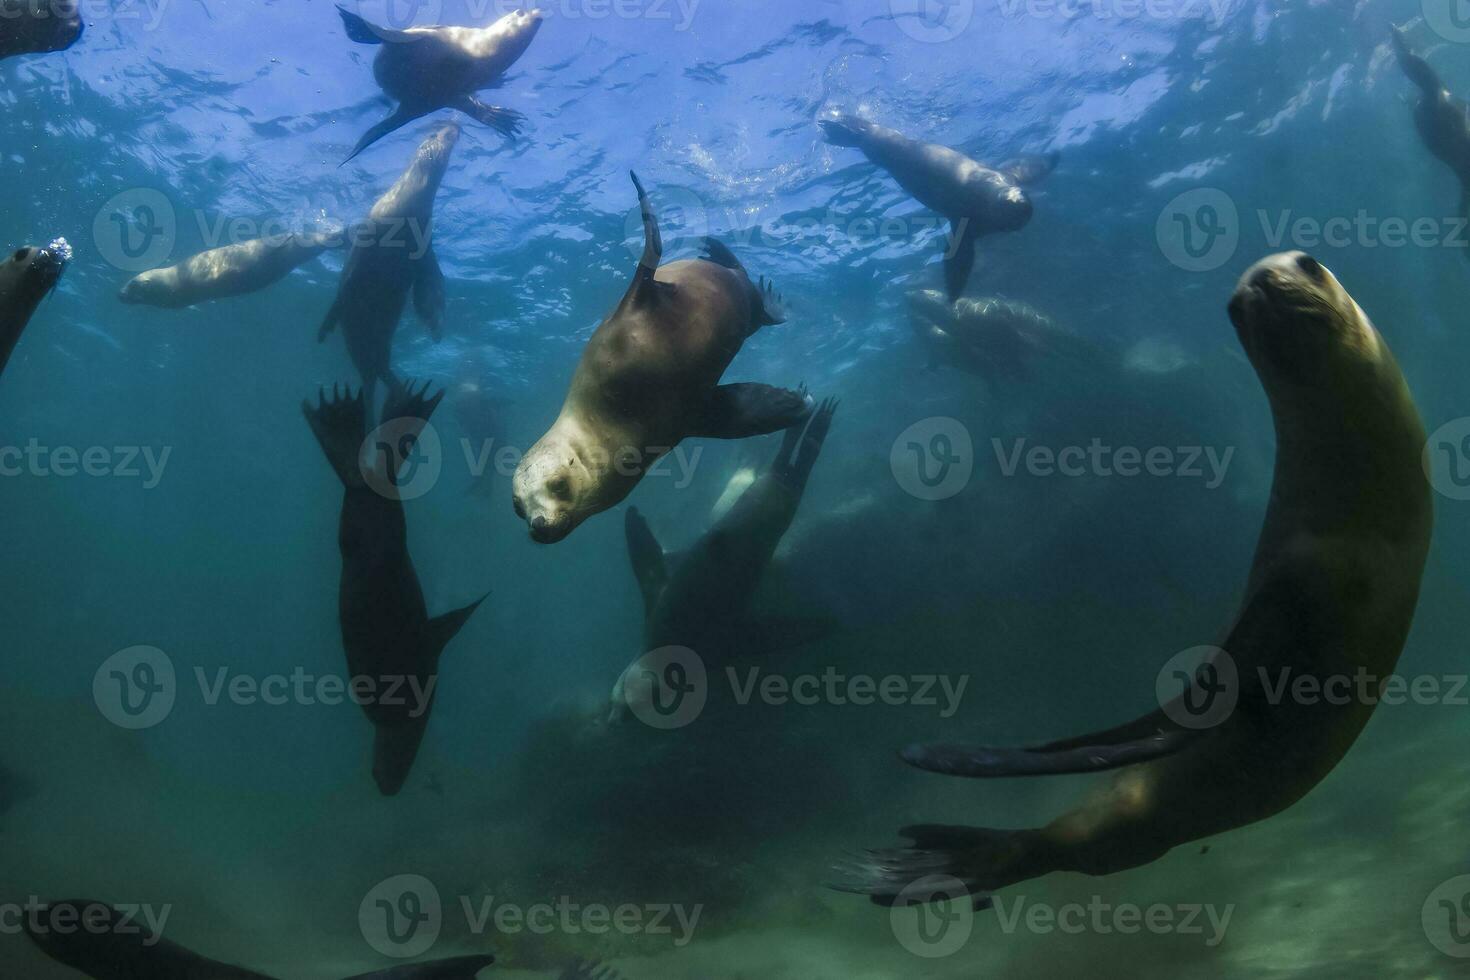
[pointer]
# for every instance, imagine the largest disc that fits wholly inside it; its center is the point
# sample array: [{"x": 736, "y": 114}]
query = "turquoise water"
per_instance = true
[{"x": 1057, "y": 599}]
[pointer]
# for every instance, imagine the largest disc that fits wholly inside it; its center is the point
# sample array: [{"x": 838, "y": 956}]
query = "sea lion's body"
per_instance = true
[
  {"x": 386, "y": 630},
  {"x": 1331, "y": 594},
  {"x": 231, "y": 270},
  {"x": 26, "y": 278},
  {"x": 429, "y": 68},
  {"x": 648, "y": 379},
  {"x": 118, "y": 946},
  {"x": 702, "y": 601},
  {"x": 978, "y": 200},
  {"x": 995, "y": 339},
  {"x": 38, "y": 28},
  {"x": 392, "y": 256},
  {"x": 1442, "y": 119}
]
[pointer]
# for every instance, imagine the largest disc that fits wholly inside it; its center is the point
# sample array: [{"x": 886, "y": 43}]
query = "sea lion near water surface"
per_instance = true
[
  {"x": 702, "y": 601},
  {"x": 231, "y": 270},
  {"x": 26, "y": 278},
  {"x": 977, "y": 200},
  {"x": 31, "y": 27},
  {"x": 107, "y": 943},
  {"x": 431, "y": 68},
  {"x": 1331, "y": 594},
  {"x": 650, "y": 378},
  {"x": 1442, "y": 119},
  {"x": 386, "y": 630}
]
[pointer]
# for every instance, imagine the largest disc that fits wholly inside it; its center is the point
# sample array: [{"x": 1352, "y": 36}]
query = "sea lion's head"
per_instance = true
[
  {"x": 518, "y": 28},
  {"x": 28, "y": 277},
  {"x": 555, "y": 489},
  {"x": 151, "y": 288},
  {"x": 1297, "y": 324}
]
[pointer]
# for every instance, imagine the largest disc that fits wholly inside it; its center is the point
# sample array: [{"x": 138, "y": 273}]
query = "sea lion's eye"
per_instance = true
[
  {"x": 1310, "y": 266},
  {"x": 561, "y": 488},
  {"x": 22, "y": 255}
]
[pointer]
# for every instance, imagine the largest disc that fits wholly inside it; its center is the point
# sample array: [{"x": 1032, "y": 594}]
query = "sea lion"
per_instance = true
[
  {"x": 702, "y": 602},
  {"x": 392, "y": 255},
  {"x": 386, "y": 630},
  {"x": 231, "y": 270},
  {"x": 648, "y": 379},
  {"x": 31, "y": 27},
  {"x": 1443, "y": 121},
  {"x": 430, "y": 68},
  {"x": 976, "y": 199},
  {"x": 108, "y": 944},
  {"x": 26, "y": 278},
  {"x": 995, "y": 339},
  {"x": 1331, "y": 593}
]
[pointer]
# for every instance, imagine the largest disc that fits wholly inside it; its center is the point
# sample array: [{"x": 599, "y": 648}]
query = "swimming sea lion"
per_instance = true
[
  {"x": 26, "y": 278},
  {"x": 107, "y": 944},
  {"x": 1443, "y": 121},
  {"x": 995, "y": 339},
  {"x": 232, "y": 270},
  {"x": 386, "y": 630},
  {"x": 30, "y": 27},
  {"x": 976, "y": 199},
  {"x": 702, "y": 602},
  {"x": 429, "y": 68},
  {"x": 648, "y": 379},
  {"x": 1331, "y": 593},
  {"x": 392, "y": 255}
]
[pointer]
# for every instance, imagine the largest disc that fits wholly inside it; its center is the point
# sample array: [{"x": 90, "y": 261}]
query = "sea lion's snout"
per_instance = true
[{"x": 1290, "y": 313}]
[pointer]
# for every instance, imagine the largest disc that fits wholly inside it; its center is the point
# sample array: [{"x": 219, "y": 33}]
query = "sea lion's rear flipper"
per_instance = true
[
  {"x": 795, "y": 463},
  {"x": 769, "y": 308},
  {"x": 458, "y": 968},
  {"x": 506, "y": 122},
  {"x": 938, "y": 857},
  {"x": 984, "y": 762},
  {"x": 960, "y": 259},
  {"x": 363, "y": 31},
  {"x": 1030, "y": 168},
  {"x": 647, "y": 555},
  {"x": 340, "y": 426},
  {"x": 395, "y": 747},
  {"x": 428, "y": 293},
  {"x": 443, "y": 629},
  {"x": 401, "y": 117},
  {"x": 329, "y": 322},
  {"x": 739, "y": 411},
  {"x": 645, "y": 290}
]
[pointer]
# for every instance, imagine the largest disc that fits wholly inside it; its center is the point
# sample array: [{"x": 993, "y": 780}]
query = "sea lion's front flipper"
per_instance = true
[
  {"x": 647, "y": 555},
  {"x": 980, "y": 860},
  {"x": 506, "y": 122},
  {"x": 363, "y": 31},
  {"x": 645, "y": 290},
  {"x": 329, "y": 322},
  {"x": 458, "y": 968},
  {"x": 340, "y": 426},
  {"x": 739, "y": 411},
  {"x": 795, "y": 463},
  {"x": 428, "y": 293},
  {"x": 960, "y": 259},
  {"x": 984, "y": 762},
  {"x": 443, "y": 629},
  {"x": 400, "y": 117},
  {"x": 1030, "y": 168}
]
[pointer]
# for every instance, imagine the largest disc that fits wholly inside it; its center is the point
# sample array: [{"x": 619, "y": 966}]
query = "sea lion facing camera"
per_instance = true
[
  {"x": 1331, "y": 594},
  {"x": 392, "y": 256},
  {"x": 26, "y": 278},
  {"x": 702, "y": 602},
  {"x": 231, "y": 270},
  {"x": 976, "y": 199},
  {"x": 1443, "y": 121},
  {"x": 430, "y": 68},
  {"x": 106, "y": 943},
  {"x": 386, "y": 630},
  {"x": 648, "y": 379},
  {"x": 31, "y": 27}
]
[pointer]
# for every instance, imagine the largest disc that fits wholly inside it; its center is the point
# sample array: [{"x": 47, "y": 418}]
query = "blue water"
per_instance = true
[{"x": 1058, "y": 598}]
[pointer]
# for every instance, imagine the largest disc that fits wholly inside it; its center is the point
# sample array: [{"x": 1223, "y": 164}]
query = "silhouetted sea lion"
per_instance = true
[
  {"x": 31, "y": 27},
  {"x": 702, "y": 601},
  {"x": 392, "y": 256},
  {"x": 107, "y": 944},
  {"x": 1331, "y": 594},
  {"x": 26, "y": 278},
  {"x": 977, "y": 200},
  {"x": 995, "y": 339},
  {"x": 386, "y": 630},
  {"x": 648, "y": 379},
  {"x": 231, "y": 270},
  {"x": 1443, "y": 121},
  {"x": 429, "y": 68}
]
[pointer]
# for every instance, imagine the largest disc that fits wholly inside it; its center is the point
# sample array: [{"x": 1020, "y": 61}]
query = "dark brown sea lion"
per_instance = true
[
  {"x": 38, "y": 26},
  {"x": 26, "y": 278}
]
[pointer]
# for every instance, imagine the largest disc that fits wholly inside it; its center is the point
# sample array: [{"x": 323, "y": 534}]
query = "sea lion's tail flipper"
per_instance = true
[
  {"x": 457, "y": 968},
  {"x": 844, "y": 130},
  {"x": 125, "y": 947},
  {"x": 329, "y": 322},
  {"x": 395, "y": 747},
  {"x": 645, "y": 290},
  {"x": 340, "y": 426},
  {"x": 506, "y": 122},
  {"x": 647, "y": 556},
  {"x": 1080, "y": 756},
  {"x": 363, "y": 31},
  {"x": 769, "y": 308},
  {"x": 589, "y": 970},
  {"x": 738, "y": 411},
  {"x": 944, "y": 863},
  {"x": 428, "y": 293},
  {"x": 1031, "y": 168},
  {"x": 1418, "y": 70},
  {"x": 960, "y": 259},
  {"x": 401, "y": 117},
  {"x": 795, "y": 463}
]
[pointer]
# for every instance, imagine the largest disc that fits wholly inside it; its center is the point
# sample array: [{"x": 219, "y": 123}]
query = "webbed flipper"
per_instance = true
[
  {"x": 363, "y": 31},
  {"x": 738, "y": 411},
  {"x": 428, "y": 293},
  {"x": 401, "y": 117},
  {"x": 506, "y": 122},
  {"x": 645, "y": 290},
  {"x": 647, "y": 556},
  {"x": 960, "y": 259},
  {"x": 457, "y": 968}
]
